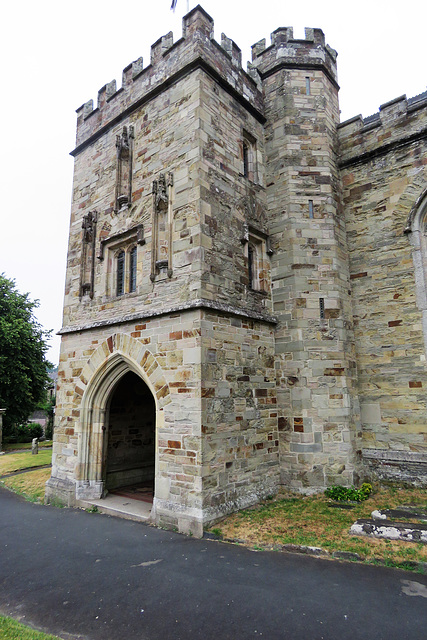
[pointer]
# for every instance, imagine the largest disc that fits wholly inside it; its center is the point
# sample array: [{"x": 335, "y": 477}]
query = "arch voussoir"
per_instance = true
[
  {"x": 139, "y": 358},
  {"x": 411, "y": 200}
]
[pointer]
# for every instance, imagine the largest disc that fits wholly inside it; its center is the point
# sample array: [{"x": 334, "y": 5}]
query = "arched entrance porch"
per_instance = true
[
  {"x": 129, "y": 440},
  {"x": 102, "y": 467}
]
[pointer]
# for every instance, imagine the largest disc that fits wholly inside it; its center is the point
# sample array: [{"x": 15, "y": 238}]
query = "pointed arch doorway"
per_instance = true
[{"x": 129, "y": 441}]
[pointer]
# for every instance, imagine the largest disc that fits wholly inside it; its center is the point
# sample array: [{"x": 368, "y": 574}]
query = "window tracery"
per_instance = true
[{"x": 120, "y": 273}]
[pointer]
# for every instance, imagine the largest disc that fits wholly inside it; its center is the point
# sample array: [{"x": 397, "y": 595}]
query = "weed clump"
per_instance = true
[{"x": 344, "y": 494}]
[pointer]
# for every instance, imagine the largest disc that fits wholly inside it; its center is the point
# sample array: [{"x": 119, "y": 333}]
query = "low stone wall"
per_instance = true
[{"x": 396, "y": 466}]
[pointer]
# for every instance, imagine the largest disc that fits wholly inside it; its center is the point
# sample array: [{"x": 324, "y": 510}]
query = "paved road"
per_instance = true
[{"x": 83, "y": 575}]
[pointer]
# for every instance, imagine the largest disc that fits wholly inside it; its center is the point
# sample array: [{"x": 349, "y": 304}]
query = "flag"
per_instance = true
[{"x": 173, "y": 5}]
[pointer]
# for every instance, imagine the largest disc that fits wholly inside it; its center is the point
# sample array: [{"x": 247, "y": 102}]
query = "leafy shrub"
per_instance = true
[
  {"x": 365, "y": 490},
  {"x": 342, "y": 494},
  {"x": 26, "y": 432},
  {"x": 49, "y": 431}
]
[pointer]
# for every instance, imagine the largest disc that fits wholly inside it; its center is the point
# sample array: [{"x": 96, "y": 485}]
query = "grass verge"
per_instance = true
[
  {"x": 30, "y": 485},
  {"x": 24, "y": 460},
  {"x": 25, "y": 445},
  {"x": 314, "y": 521},
  {"x": 12, "y": 630}
]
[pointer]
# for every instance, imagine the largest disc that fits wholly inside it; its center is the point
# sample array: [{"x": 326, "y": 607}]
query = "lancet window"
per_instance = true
[{"x": 249, "y": 153}]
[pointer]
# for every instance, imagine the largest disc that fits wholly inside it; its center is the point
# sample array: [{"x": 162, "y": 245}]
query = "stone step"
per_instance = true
[
  {"x": 119, "y": 506},
  {"x": 390, "y": 530}
]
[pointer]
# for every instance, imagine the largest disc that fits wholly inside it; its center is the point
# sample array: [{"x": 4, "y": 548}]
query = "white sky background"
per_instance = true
[{"x": 57, "y": 55}]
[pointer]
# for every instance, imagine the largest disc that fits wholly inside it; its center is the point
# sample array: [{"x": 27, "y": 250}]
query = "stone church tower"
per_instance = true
[{"x": 245, "y": 293}]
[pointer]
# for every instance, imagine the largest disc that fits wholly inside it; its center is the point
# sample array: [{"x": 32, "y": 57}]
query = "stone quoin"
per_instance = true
[{"x": 245, "y": 299}]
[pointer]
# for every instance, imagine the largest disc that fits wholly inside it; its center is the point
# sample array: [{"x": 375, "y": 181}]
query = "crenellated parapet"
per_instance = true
[
  {"x": 169, "y": 62},
  {"x": 287, "y": 52},
  {"x": 398, "y": 122}
]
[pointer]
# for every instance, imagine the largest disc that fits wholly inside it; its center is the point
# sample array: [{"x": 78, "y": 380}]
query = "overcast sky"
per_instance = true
[{"x": 56, "y": 55}]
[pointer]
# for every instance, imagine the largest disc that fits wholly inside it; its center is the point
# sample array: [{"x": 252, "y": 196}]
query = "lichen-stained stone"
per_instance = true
[{"x": 254, "y": 270}]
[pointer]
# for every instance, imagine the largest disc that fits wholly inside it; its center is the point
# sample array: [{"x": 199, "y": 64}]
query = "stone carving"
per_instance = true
[
  {"x": 253, "y": 211},
  {"x": 160, "y": 191},
  {"x": 88, "y": 226},
  {"x": 124, "y": 148},
  {"x": 87, "y": 264},
  {"x": 245, "y": 234},
  {"x": 161, "y": 254},
  {"x": 140, "y": 238}
]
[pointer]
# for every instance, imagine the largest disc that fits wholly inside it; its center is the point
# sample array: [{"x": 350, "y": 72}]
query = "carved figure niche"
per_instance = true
[
  {"x": 124, "y": 147},
  {"x": 161, "y": 252},
  {"x": 87, "y": 265}
]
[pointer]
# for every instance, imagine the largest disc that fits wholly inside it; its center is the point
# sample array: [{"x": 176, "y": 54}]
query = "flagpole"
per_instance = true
[{"x": 174, "y": 2}]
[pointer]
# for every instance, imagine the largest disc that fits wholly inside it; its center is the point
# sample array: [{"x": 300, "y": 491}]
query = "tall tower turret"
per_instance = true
[{"x": 314, "y": 345}]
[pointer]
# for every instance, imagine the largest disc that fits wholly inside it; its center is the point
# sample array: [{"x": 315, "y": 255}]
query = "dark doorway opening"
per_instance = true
[{"x": 130, "y": 455}]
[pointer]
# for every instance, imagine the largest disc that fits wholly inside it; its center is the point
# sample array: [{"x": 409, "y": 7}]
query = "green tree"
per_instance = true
[
  {"x": 23, "y": 365},
  {"x": 47, "y": 405}
]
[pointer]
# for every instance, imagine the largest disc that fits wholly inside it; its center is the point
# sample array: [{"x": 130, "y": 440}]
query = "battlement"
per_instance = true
[
  {"x": 360, "y": 135},
  {"x": 389, "y": 111},
  {"x": 169, "y": 62},
  {"x": 286, "y": 51}
]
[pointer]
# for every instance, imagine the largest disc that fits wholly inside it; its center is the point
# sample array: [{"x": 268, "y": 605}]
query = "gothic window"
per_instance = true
[
  {"x": 249, "y": 157},
  {"x": 120, "y": 273},
  {"x": 132, "y": 269},
  {"x": 126, "y": 270},
  {"x": 252, "y": 266},
  {"x": 121, "y": 253},
  {"x": 257, "y": 267},
  {"x": 256, "y": 275},
  {"x": 245, "y": 159},
  {"x": 417, "y": 228}
]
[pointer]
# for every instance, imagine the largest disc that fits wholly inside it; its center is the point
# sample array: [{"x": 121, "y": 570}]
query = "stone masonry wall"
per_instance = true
[
  {"x": 275, "y": 281},
  {"x": 189, "y": 110},
  {"x": 231, "y": 203},
  {"x": 384, "y": 172},
  {"x": 166, "y": 349},
  {"x": 315, "y": 359},
  {"x": 190, "y": 123},
  {"x": 217, "y": 444},
  {"x": 166, "y": 139},
  {"x": 239, "y": 413},
  {"x": 169, "y": 62}
]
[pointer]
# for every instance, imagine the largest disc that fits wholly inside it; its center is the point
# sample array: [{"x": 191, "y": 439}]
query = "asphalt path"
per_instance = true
[{"x": 90, "y": 576}]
